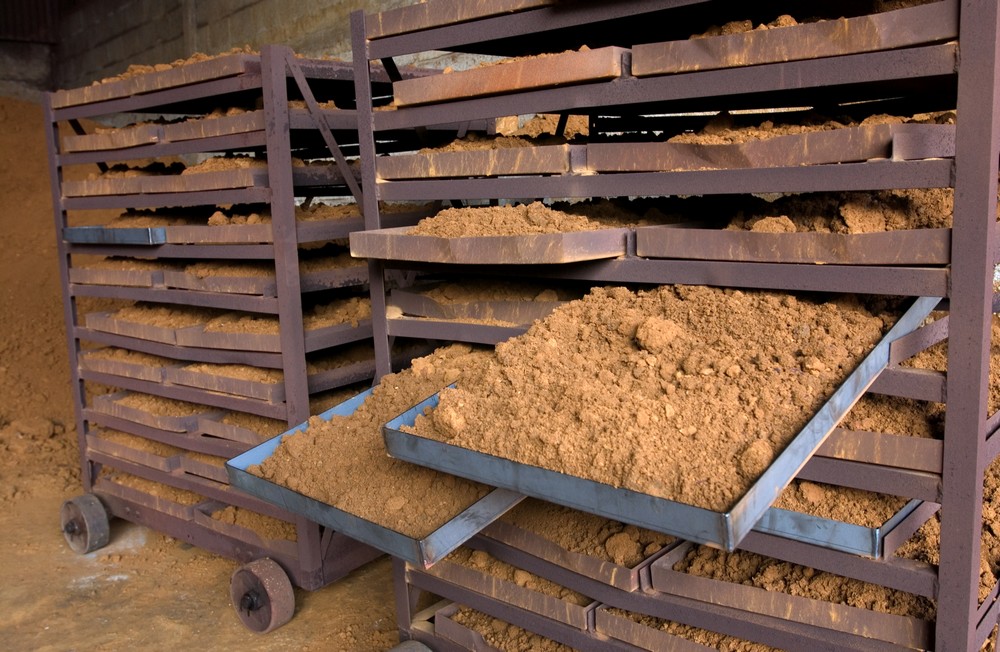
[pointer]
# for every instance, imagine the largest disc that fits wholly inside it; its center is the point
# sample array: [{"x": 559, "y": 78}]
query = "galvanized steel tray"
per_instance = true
[
  {"x": 215, "y": 68},
  {"x": 842, "y": 145},
  {"x": 562, "y": 69},
  {"x": 838, "y": 535},
  {"x": 137, "y": 278},
  {"x": 89, "y": 361},
  {"x": 545, "y": 248},
  {"x": 325, "y": 175},
  {"x": 428, "y": 15},
  {"x": 421, "y": 552},
  {"x": 149, "y": 236},
  {"x": 413, "y": 302},
  {"x": 904, "y": 247},
  {"x": 901, "y": 630},
  {"x": 930, "y": 23},
  {"x": 483, "y": 582},
  {"x": 639, "y": 635},
  {"x": 543, "y": 159},
  {"x": 723, "y": 529}
]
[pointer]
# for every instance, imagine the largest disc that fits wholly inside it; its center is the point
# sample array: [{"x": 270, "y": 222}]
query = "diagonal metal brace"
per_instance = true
[{"x": 320, "y": 121}]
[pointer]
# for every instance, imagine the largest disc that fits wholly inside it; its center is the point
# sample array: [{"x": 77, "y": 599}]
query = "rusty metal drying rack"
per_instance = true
[
  {"x": 319, "y": 555},
  {"x": 923, "y": 76}
]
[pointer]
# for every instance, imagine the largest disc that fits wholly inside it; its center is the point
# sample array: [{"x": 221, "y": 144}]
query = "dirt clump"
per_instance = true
[
  {"x": 843, "y": 504},
  {"x": 587, "y": 534}
]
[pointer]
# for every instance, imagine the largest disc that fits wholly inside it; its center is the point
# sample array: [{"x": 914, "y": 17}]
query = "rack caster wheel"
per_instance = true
[
  {"x": 85, "y": 523},
  {"x": 262, "y": 595}
]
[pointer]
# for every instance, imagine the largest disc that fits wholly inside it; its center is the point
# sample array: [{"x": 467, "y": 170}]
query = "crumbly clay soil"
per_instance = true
[
  {"x": 487, "y": 564},
  {"x": 587, "y": 534},
  {"x": 342, "y": 462},
  {"x": 522, "y": 219},
  {"x": 267, "y": 527},
  {"x": 650, "y": 390},
  {"x": 504, "y": 636},
  {"x": 694, "y": 634}
]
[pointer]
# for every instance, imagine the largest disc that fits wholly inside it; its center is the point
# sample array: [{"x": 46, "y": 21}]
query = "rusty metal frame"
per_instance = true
[
  {"x": 321, "y": 556},
  {"x": 918, "y": 72}
]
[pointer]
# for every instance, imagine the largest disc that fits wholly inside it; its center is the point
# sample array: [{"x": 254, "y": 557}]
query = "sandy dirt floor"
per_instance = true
[{"x": 144, "y": 591}]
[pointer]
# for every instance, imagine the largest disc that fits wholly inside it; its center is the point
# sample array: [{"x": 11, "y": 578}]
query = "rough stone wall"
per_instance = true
[
  {"x": 101, "y": 38},
  {"x": 25, "y": 69}
]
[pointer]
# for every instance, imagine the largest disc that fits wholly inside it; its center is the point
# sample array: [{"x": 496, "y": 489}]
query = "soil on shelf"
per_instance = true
[
  {"x": 136, "y": 69},
  {"x": 504, "y": 636},
  {"x": 896, "y": 416},
  {"x": 137, "y": 443},
  {"x": 864, "y": 508},
  {"x": 266, "y": 527},
  {"x": 751, "y": 569},
  {"x": 151, "y": 488},
  {"x": 117, "y": 354},
  {"x": 694, "y": 634},
  {"x": 163, "y": 316},
  {"x": 487, "y": 564},
  {"x": 936, "y": 359},
  {"x": 925, "y": 545},
  {"x": 587, "y": 534},
  {"x": 127, "y": 264},
  {"x": 341, "y": 311},
  {"x": 522, "y": 219},
  {"x": 160, "y": 406}
]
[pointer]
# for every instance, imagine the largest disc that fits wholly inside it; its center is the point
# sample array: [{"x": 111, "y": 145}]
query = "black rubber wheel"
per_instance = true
[
  {"x": 85, "y": 523},
  {"x": 262, "y": 595}
]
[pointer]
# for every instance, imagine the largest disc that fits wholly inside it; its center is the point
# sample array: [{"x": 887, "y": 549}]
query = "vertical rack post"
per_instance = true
[
  {"x": 286, "y": 252},
  {"x": 972, "y": 249},
  {"x": 370, "y": 208},
  {"x": 69, "y": 301}
]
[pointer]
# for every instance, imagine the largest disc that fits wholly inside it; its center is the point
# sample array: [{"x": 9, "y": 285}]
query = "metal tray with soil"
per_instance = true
[
  {"x": 334, "y": 368},
  {"x": 519, "y": 75},
  {"x": 908, "y": 631},
  {"x": 325, "y": 175},
  {"x": 479, "y": 572},
  {"x": 724, "y": 529},
  {"x": 142, "y": 229},
  {"x": 545, "y": 248},
  {"x": 239, "y": 279},
  {"x": 542, "y": 159},
  {"x": 123, "y": 272},
  {"x": 191, "y": 73},
  {"x": 428, "y": 15},
  {"x": 114, "y": 361},
  {"x": 422, "y": 302},
  {"x": 895, "y": 142},
  {"x": 644, "y": 637},
  {"x": 153, "y": 411},
  {"x": 424, "y": 552},
  {"x": 932, "y": 23},
  {"x": 914, "y": 247}
]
